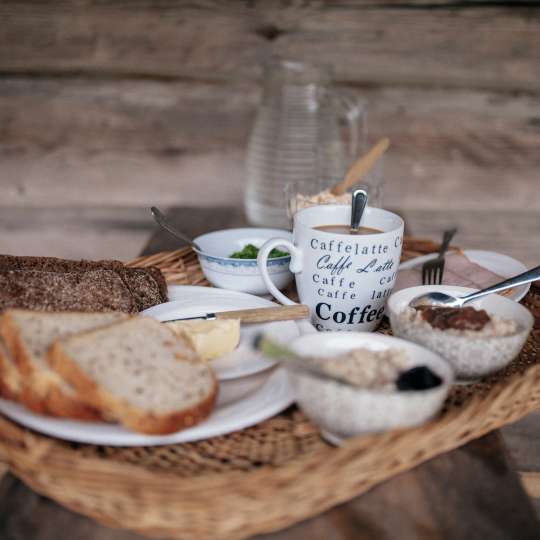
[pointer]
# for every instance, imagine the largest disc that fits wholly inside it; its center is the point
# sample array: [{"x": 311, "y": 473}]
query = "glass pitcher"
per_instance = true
[{"x": 305, "y": 131}]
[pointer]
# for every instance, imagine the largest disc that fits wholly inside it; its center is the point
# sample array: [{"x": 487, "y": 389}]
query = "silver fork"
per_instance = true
[{"x": 432, "y": 270}]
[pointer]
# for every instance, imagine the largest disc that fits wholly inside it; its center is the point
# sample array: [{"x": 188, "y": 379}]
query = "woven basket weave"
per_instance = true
[{"x": 266, "y": 477}]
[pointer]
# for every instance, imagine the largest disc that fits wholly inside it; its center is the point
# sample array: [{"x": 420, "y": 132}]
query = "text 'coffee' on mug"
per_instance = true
[{"x": 344, "y": 278}]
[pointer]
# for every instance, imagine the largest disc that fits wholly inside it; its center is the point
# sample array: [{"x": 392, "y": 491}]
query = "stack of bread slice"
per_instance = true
[
  {"x": 104, "y": 367},
  {"x": 51, "y": 284}
]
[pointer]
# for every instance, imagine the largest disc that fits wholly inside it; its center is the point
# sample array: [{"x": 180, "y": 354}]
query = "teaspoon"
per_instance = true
[
  {"x": 447, "y": 300},
  {"x": 359, "y": 202},
  {"x": 162, "y": 222}
]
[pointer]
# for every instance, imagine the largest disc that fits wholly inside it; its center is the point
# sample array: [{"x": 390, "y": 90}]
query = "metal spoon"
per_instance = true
[
  {"x": 359, "y": 202},
  {"x": 162, "y": 222},
  {"x": 447, "y": 300},
  {"x": 407, "y": 380}
]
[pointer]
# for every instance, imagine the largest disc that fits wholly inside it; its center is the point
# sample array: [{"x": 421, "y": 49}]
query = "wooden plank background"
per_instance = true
[
  {"x": 107, "y": 107},
  {"x": 126, "y": 103}
]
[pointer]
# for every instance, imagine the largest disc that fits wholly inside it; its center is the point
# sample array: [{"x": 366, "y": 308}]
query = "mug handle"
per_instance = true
[{"x": 295, "y": 266}]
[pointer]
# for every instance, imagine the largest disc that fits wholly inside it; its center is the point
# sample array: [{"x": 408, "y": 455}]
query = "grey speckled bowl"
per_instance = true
[
  {"x": 471, "y": 357},
  {"x": 343, "y": 412}
]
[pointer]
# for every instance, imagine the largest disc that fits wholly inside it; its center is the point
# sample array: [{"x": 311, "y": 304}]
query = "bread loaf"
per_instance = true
[{"x": 51, "y": 284}]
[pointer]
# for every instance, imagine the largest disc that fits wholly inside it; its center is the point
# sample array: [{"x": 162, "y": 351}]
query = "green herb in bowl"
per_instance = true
[{"x": 250, "y": 252}]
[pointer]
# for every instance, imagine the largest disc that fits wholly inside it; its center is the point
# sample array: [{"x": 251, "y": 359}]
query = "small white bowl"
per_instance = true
[
  {"x": 241, "y": 274},
  {"x": 343, "y": 412},
  {"x": 471, "y": 357}
]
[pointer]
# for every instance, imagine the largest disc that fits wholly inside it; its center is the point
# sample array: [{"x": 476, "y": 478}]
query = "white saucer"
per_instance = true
[
  {"x": 274, "y": 396},
  {"x": 189, "y": 301},
  {"x": 500, "y": 264}
]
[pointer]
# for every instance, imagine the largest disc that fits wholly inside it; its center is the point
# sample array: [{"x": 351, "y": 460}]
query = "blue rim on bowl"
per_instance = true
[
  {"x": 244, "y": 275},
  {"x": 249, "y": 233}
]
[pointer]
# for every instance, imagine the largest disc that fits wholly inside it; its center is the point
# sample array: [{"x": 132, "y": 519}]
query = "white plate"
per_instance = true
[
  {"x": 495, "y": 262},
  {"x": 188, "y": 301},
  {"x": 274, "y": 396}
]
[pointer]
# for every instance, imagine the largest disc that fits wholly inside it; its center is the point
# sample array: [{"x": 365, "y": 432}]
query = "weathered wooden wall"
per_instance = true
[
  {"x": 127, "y": 103},
  {"x": 115, "y": 105}
]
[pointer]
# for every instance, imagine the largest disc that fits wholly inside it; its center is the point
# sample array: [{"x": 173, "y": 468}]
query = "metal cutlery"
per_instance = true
[
  {"x": 433, "y": 270},
  {"x": 447, "y": 300},
  {"x": 291, "y": 361},
  {"x": 256, "y": 315},
  {"x": 416, "y": 378},
  {"x": 161, "y": 220},
  {"x": 359, "y": 203}
]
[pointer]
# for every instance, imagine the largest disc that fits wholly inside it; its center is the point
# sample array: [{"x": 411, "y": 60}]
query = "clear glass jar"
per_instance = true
[{"x": 305, "y": 131}]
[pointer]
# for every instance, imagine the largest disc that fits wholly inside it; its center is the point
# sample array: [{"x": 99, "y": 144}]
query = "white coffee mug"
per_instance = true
[{"x": 344, "y": 279}]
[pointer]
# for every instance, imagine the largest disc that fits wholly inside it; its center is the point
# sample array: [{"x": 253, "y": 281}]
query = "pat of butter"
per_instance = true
[{"x": 209, "y": 339}]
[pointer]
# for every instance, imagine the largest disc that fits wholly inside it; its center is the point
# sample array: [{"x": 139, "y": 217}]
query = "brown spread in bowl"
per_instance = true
[{"x": 445, "y": 318}]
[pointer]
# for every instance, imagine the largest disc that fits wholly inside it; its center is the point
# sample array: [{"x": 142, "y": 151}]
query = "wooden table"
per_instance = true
[{"x": 471, "y": 492}]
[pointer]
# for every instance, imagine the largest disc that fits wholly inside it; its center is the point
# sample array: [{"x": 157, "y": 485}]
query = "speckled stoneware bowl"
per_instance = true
[
  {"x": 341, "y": 411},
  {"x": 241, "y": 274},
  {"x": 471, "y": 357}
]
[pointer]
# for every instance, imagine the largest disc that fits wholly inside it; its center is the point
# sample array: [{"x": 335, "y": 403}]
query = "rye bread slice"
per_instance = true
[
  {"x": 147, "y": 285},
  {"x": 143, "y": 286},
  {"x": 91, "y": 291},
  {"x": 139, "y": 373},
  {"x": 28, "y": 336},
  {"x": 159, "y": 279}
]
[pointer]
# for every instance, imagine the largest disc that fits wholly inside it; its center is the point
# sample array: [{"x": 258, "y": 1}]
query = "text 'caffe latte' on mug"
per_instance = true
[
  {"x": 346, "y": 229},
  {"x": 344, "y": 278}
]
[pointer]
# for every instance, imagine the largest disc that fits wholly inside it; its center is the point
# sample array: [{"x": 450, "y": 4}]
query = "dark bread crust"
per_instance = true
[
  {"x": 142, "y": 287},
  {"x": 5, "y": 390},
  {"x": 58, "y": 403},
  {"x": 112, "y": 407},
  {"x": 6, "y": 393},
  {"x": 14, "y": 345},
  {"x": 53, "y": 264}
]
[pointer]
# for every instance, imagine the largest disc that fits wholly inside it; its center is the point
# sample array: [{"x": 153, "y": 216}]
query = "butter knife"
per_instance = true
[{"x": 255, "y": 315}]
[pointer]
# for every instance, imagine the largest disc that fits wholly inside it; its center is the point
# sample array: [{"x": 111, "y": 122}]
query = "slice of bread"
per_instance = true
[
  {"x": 10, "y": 379},
  {"x": 28, "y": 336},
  {"x": 139, "y": 373},
  {"x": 140, "y": 288},
  {"x": 142, "y": 284}
]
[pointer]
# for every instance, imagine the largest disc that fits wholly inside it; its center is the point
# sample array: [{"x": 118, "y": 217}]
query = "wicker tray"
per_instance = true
[{"x": 266, "y": 477}]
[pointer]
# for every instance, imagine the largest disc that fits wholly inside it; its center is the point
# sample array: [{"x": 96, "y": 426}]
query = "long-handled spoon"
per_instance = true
[
  {"x": 447, "y": 300},
  {"x": 359, "y": 202},
  {"x": 416, "y": 378},
  {"x": 361, "y": 167},
  {"x": 162, "y": 222}
]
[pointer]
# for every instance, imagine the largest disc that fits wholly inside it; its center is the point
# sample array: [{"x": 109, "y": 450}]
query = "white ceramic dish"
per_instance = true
[
  {"x": 244, "y": 370},
  {"x": 343, "y": 412},
  {"x": 274, "y": 396},
  {"x": 191, "y": 294},
  {"x": 241, "y": 274},
  {"x": 471, "y": 357},
  {"x": 500, "y": 264}
]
